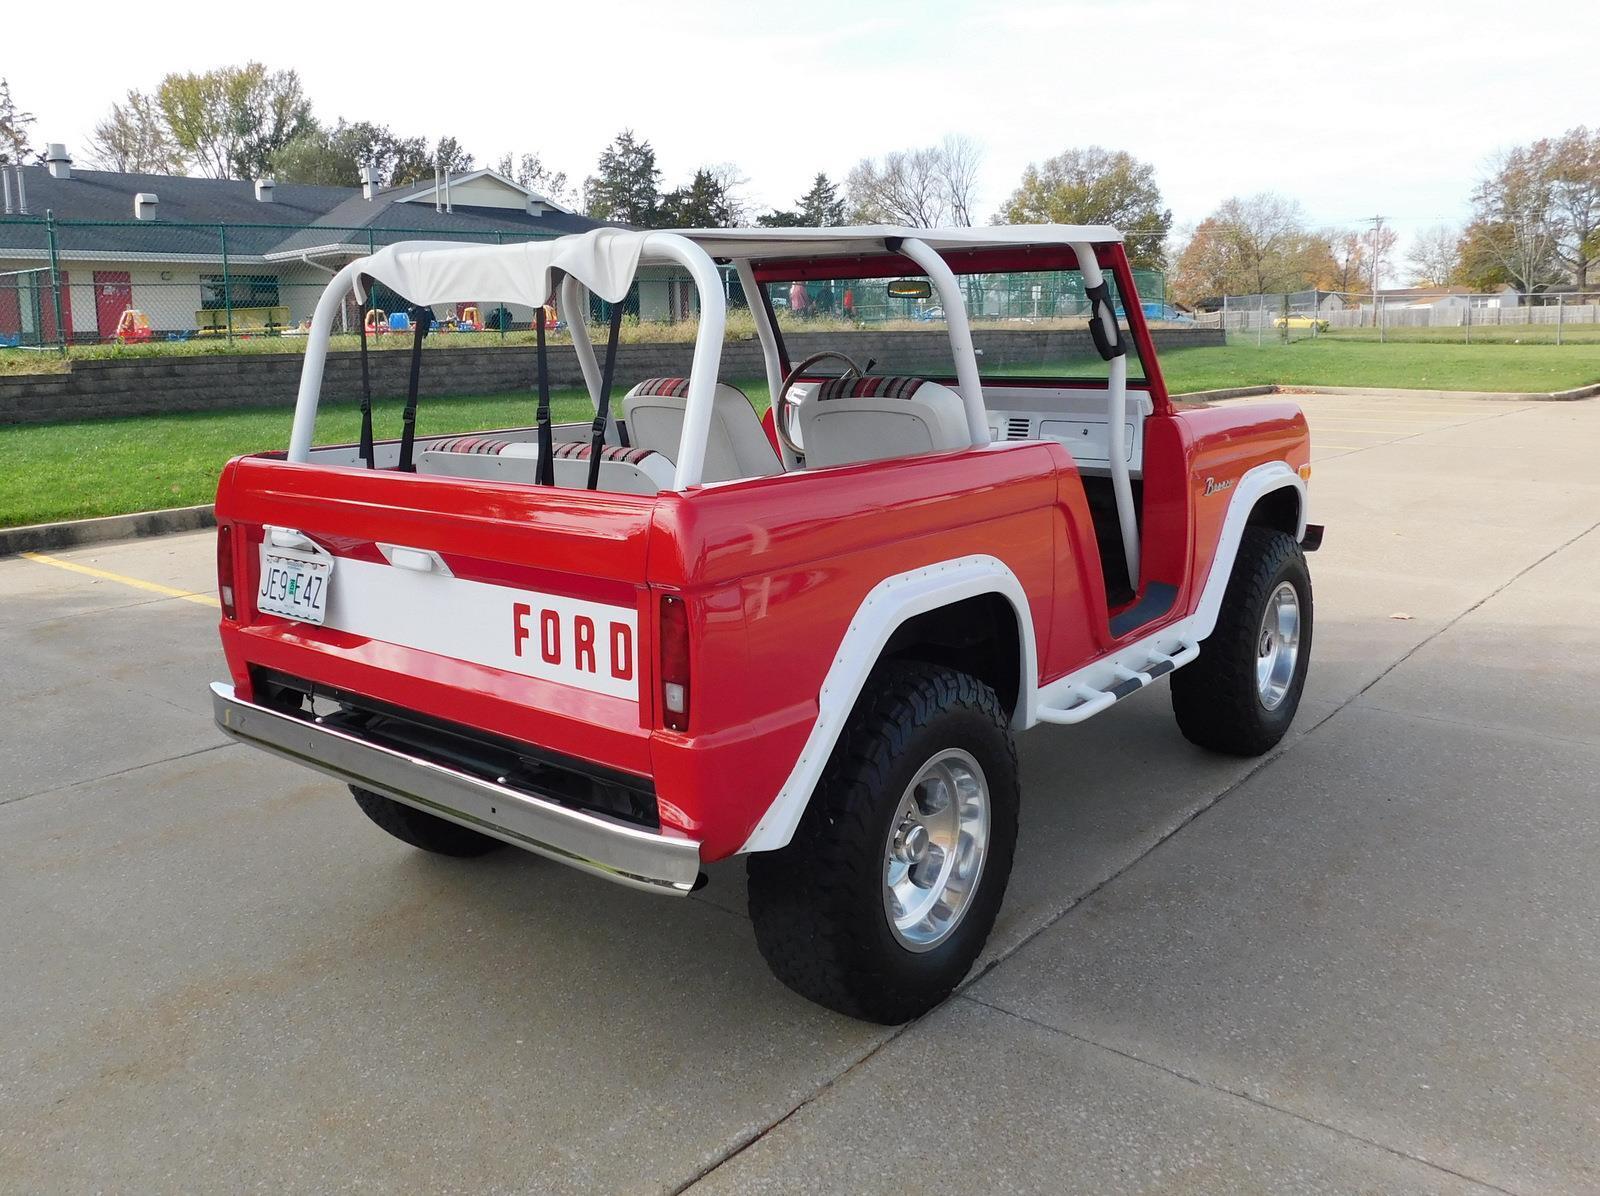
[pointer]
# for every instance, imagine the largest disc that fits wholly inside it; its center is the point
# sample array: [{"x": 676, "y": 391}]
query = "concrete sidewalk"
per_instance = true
[{"x": 1367, "y": 963}]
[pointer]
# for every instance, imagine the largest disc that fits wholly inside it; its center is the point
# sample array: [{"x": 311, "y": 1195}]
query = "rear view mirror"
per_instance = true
[{"x": 909, "y": 288}]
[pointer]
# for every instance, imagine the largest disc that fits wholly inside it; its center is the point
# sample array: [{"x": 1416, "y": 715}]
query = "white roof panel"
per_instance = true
[{"x": 606, "y": 259}]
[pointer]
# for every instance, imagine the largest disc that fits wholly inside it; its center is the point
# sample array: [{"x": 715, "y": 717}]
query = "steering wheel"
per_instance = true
[{"x": 780, "y": 413}]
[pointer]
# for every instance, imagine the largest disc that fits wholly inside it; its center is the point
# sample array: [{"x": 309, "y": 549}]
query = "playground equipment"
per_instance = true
[
  {"x": 133, "y": 327},
  {"x": 377, "y": 321}
]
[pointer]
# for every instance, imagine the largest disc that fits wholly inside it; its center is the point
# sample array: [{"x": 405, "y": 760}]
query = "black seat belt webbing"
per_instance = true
[
  {"x": 602, "y": 410},
  {"x": 421, "y": 321},
  {"x": 545, "y": 474},
  {"x": 366, "y": 382}
]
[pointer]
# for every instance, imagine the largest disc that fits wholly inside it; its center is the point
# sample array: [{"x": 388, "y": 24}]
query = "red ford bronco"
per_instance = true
[{"x": 642, "y": 644}]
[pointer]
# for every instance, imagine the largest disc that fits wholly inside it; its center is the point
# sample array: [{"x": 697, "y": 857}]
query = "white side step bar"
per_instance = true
[{"x": 1090, "y": 690}]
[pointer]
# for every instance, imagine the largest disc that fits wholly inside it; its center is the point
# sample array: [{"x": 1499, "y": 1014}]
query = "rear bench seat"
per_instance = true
[{"x": 622, "y": 470}]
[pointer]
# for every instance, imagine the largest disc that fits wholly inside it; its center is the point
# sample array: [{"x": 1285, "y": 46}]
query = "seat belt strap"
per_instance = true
[
  {"x": 421, "y": 321},
  {"x": 602, "y": 410},
  {"x": 366, "y": 451},
  {"x": 545, "y": 472}
]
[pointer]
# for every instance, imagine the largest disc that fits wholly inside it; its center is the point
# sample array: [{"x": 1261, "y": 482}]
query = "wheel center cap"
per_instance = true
[{"x": 911, "y": 843}]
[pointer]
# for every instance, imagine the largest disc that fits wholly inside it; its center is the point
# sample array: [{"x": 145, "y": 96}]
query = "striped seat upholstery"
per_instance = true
[
  {"x": 468, "y": 444},
  {"x": 622, "y": 470},
  {"x": 736, "y": 446},
  {"x": 876, "y": 417},
  {"x": 670, "y": 388},
  {"x": 869, "y": 386},
  {"x": 576, "y": 450}
]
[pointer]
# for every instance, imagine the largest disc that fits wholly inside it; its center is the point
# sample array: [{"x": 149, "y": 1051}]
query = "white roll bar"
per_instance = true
[
  {"x": 1116, "y": 415},
  {"x": 660, "y": 246},
  {"x": 575, "y": 298},
  {"x": 305, "y": 403},
  {"x": 955, "y": 318},
  {"x": 764, "y": 330}
]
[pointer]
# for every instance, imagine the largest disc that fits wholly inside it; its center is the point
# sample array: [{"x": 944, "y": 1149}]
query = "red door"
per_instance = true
[
  {"x": 113, "y": 295},
  {"x": 47, "y": 309},
  {"x": 10, "y": 307}
]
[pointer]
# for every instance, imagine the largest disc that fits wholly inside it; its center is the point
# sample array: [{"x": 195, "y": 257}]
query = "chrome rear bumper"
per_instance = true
[{"x": 617, "y": 850}]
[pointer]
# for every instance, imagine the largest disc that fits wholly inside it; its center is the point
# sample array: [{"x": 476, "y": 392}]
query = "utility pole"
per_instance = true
[{"x": 1377, "y": 227}]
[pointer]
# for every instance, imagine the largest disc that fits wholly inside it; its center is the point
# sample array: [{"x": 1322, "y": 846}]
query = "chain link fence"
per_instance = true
[
  {"x": 140, "y": 282},
  {"x": 1425, "y": 315},
  {"x": 254, "y": 287}
]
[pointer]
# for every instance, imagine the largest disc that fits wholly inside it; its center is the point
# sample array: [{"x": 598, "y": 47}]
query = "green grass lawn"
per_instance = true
[
  {"x": 107, "y": 467},
  {"x": 1332, "y": 361}
]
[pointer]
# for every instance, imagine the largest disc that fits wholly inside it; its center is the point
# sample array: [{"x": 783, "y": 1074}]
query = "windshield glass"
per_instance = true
[{"x": 1024, "y": 323}]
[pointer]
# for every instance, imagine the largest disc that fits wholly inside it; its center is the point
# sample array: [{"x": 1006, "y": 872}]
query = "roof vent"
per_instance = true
[
  {"x": 369, "y": 182},
  {"x": 264, "y": 190},
  {"x": 537, "y": 206},
  {"x": 58, "y": 160},
  {"x": 144, "y": 205}
]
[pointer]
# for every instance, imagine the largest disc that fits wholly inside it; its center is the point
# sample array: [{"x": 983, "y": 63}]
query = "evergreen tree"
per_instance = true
[
  {"x": 626, "y": 183},
  {"x": 820, "y": 207}
]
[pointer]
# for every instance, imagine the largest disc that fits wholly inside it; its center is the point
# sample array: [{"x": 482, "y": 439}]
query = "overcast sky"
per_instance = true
[{"x": 1352, "y": 108}]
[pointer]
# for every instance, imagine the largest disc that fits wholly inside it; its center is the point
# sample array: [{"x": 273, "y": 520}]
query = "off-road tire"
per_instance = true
[
  {"x": 413, "y": 826},
  {"x": 817, "y": 904},
  {"x": 1215, "y": 697}
]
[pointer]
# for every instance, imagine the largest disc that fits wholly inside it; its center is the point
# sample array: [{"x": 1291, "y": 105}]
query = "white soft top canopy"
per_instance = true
[
  {"x": 605, "y": 259},
  {"x": 428, "y": 272}
]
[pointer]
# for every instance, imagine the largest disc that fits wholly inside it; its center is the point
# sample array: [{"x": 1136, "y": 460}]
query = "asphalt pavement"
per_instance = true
[{"x": 1367, "y": 963}]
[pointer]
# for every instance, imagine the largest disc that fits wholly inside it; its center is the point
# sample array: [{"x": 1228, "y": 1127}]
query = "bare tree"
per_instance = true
[
  {"x": 958, "y": 163},
  {"x": 1512, "y": 229},
  {"x": 134, "y": 139},
  {"x": 920, "y": 188},
  {"x": 529, "y": 170},
  {"x": 1435, "y": 256}
]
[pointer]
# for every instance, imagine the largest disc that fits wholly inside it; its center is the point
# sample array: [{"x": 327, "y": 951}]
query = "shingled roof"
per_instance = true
[{"x": 95, "y": 218}]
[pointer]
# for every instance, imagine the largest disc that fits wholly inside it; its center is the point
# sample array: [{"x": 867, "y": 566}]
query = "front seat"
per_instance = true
[
  {"x": 872, "y": 418},
  {"x": 737, "y": 447}
]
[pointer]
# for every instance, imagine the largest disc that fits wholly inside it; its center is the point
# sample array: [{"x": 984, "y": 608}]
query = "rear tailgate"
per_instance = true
[{"x": 513, "y": 610}]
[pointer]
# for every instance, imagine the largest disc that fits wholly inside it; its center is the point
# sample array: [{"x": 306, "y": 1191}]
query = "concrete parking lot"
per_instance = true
[{"x": 1368, "y": 963}]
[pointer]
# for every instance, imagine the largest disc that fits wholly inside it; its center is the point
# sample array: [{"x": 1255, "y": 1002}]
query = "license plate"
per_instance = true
[{"x": 294, "y": 586}]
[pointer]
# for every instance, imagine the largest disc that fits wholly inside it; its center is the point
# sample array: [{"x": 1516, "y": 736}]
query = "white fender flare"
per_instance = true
[
  {"x": 1256, "y": 484},
  {"x": 905, "y": 595},
  {"x": 889, "y": 604}
]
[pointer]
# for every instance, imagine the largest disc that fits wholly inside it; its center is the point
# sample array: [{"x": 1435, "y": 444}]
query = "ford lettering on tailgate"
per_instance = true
[{"x": 573, "y": 641}]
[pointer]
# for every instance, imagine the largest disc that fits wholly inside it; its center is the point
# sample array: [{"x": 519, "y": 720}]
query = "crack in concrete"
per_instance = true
[
  {"x": 1224, "y": 1090},
  {"x": 119, "y": 772}
]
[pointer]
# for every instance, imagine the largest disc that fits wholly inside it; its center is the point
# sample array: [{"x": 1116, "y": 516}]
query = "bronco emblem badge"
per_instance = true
[{"x": 1213, "y": 486}]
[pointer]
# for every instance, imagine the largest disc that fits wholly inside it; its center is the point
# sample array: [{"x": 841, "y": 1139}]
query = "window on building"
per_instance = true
[{"x": 248, "y": 290}]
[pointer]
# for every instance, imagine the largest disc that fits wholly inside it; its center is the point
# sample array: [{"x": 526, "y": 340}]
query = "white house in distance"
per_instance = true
[{"x": 177, "y": 249}]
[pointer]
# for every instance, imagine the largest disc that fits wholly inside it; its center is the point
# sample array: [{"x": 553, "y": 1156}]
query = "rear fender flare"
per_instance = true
[{"x": 889, "y": 604}]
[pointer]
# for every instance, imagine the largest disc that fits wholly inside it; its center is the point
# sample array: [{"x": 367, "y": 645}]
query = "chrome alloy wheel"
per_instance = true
[
  {"x": 934, "y": 855},
  {"x": 1278, "y": 646}
]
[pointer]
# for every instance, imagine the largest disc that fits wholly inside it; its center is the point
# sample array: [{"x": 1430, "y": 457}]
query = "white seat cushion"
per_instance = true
[
  {"x": 736, "y": 447},
  {"x": 873, "y": 418}
]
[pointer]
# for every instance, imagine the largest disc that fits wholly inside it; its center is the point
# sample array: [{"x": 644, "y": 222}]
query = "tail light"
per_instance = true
[
  {"x": 674, "y": 663},
  {"x": 225, "y": 570}
]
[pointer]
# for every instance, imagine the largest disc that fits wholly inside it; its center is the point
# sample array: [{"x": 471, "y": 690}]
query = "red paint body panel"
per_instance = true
[{"x": 771, "y": 572}]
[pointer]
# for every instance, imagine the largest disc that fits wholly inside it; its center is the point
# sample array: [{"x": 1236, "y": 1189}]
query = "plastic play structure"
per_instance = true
[{"x": 133, "y": 327}]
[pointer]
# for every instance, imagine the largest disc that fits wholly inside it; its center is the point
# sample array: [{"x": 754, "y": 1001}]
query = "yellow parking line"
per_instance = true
[{"x": 133, "y": 582}]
